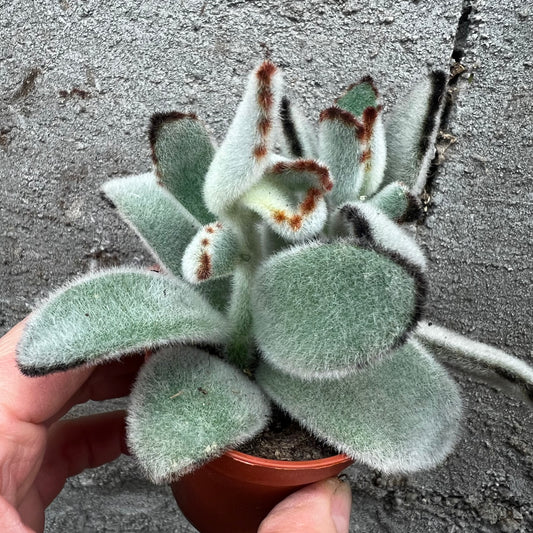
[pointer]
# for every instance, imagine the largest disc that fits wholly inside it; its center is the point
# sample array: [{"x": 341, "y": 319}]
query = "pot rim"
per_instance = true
[
  {"x": 253, "y": 460},
  {"x": 261, "y": 471}
]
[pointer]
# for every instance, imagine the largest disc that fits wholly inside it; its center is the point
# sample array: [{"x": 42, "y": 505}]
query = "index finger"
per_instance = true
[{"x": 34, "y": 399}]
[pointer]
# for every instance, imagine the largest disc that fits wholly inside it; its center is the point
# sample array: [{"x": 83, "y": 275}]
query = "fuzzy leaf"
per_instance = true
[
  {"x": 341, "y": 146},
  {"x": 106, "y": 315},
  {"x": 290, "y": 198},
  {"x": 163, "y": 224},
  {"x": 188, "y": 407},
  {"x": 411, "y": 131},
  {"x": 400, "y": 415},
  {"x": 359, "y": 96},
  {"x": 182, "y": 152},
  {"x": 242, "y": 158},
  {"x": 491, "y": 365},
  {"x": 323, "y": 310},
  {"x": 397, "y": 203},
  {"x": 362, "y": 100},
  {"x": 217, "y": 292},
  {"x": 371, "y": 227},
  {"x": 299, "y": 141},
  {"x": 213, "y": 253}
]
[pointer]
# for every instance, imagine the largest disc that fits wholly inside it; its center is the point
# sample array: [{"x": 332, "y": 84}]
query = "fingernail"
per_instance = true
[{"x": 341, "y": 506}]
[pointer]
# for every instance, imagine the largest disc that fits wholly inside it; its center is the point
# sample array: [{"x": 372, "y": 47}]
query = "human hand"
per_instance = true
[
  {"x": 38, "y": 452},
  {"x": 323, "y": 507}
]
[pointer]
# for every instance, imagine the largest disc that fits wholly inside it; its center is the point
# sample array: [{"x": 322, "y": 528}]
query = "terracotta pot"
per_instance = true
[{"x": 233, "y": 493}]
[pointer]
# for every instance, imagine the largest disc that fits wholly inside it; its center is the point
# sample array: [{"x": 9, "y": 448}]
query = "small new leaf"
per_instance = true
[
  {"x": 290, "y": 198},
  {"x": 362, "y": 100},
  {"x": 341, "y": 146},
  {"x": 212, "y": 254},
  {"x": 397, "y": 202}
]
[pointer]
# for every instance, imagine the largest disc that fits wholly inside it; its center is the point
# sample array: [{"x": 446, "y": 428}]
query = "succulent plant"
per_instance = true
[{"x": 285, "y": 276}]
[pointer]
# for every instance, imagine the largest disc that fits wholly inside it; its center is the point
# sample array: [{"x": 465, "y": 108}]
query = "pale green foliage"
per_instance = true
[
  {"x": 163, "y": 224},
  {"x": 308, "y": 302},
  {"x": 340, "y": 148},
  {"x": 383, "y": 232},
  {"x": 485, "y": 362},
  {"x": 112, "y": 313},
  {"x": 242, "y": 158},
  {"x": 395, "y": 201},
  {"x": 290, "y": 198},
  {"x": 213, "y": 253},
  {"x": 360, "y": 99},
  {"x": 399, "y": 415},
  {"x": 188, "y": 407},
  {"x": 305, "y": 267},
  {"x": 411, "y": 130},
  {"x": 182, "y": 152}
]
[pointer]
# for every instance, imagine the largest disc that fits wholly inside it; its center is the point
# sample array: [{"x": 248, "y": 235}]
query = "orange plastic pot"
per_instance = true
[{"x": 233, "y": 493}]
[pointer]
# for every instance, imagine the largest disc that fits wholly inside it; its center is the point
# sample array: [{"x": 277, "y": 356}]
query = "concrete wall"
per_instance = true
[{"x": 78, "y": 83}]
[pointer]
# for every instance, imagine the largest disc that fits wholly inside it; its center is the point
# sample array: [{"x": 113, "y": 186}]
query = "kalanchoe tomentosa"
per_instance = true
[{"x": 283, "y": 248}]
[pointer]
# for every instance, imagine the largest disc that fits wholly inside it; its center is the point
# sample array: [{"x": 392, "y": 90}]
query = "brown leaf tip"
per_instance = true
[
  {"x": 335, "y": 113},
  {"x": 306, "y": 165},
  {"x": 158, "y": 120},
  {"x": 364, "y": 80},
  {"x": 309, "y": 203},
  {"x": 265, "y": 72},
  {"x": 204, "y": 268},
  {"x": 260, "y": 151}
]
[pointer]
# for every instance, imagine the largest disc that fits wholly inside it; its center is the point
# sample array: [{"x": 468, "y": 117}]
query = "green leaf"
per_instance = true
[
  {"x": 411, "y": 131},
  {"x": 212, "y": 254},
  {"x": 395, "y": 201},
  {"x": 400, "y": 415},
  {"x": 341, "y": 145},
  {"x": 359, "y": 96},
  {"x": 163, "y": 224},
  {"x": 371, "y": 227},
  {"x": 322, "y": 310},
  {"x": 299, "y": 141},
  {"x": 290, "y": 198},
  {"x": 182, "y": 152},
  {"x": 188, "y": 407},
  {"x": 362, "y": 100},
  {"x": 106, "y": 315},
  {"x": 493, "y": 366},
  {"x": 244, "y": 155}
]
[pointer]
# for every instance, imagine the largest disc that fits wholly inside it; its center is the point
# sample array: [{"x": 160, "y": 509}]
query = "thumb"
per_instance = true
[{"x": 323, "y": 507}]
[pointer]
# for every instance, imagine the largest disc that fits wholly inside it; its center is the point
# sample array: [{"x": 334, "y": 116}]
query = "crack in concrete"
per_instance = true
[{"x": 444, "y": 138}]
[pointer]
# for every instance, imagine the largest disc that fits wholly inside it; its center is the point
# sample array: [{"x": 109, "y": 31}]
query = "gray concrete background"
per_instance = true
[{"x": 78, "y": 83}]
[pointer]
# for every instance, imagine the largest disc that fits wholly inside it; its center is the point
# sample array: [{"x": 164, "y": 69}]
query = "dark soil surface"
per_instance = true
[{"x": 285, "y": 440}]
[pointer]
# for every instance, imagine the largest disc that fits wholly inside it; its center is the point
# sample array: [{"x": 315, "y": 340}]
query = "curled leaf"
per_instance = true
[
  {"x": 212, "y": 253},
  {"x": 290, "y": 198},
  {"x": 243, "y": 157}
]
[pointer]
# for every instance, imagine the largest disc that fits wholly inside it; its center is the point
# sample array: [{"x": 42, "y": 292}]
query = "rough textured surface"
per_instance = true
[{"x": 78, "y": 84}]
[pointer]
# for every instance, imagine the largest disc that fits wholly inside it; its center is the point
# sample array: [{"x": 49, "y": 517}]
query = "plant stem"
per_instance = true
[{"x": 240, "y": 346}]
